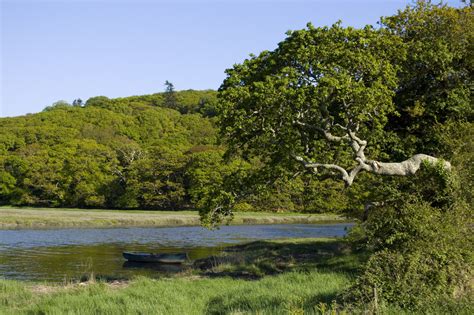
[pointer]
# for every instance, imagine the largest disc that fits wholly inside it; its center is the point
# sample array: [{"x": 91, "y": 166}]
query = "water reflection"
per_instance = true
[{"x": 162, "y": 268}]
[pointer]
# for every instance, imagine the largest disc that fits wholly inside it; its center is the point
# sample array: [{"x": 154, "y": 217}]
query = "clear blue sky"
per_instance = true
[{"x": 62, "y": 50}]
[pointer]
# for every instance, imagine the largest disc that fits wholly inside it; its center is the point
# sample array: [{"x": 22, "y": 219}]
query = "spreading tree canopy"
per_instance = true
[
  {"x": 319, "y": 102},
  {"x": 320, "y": 99},
  {"x": 340, "y": 102}
]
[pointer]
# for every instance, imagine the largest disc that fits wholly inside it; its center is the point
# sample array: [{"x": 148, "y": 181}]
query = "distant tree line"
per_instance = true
[{"x": 149, "y": 152}]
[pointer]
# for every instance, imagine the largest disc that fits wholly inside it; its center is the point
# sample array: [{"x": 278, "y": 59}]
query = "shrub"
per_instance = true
[{"x": 421, "y": 242}]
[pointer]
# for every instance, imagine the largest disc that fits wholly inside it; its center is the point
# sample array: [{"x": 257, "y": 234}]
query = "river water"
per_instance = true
[{"x": 62, "y": 255}]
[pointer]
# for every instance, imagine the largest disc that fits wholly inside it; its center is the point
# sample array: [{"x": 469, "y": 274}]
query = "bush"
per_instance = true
[
  {"x": 413, "y": 279},
  {"x": 421, "y": 242},
  {"x": 243, "y": 207}
]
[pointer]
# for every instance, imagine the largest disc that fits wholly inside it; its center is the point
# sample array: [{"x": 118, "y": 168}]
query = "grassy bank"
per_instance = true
[
  {"x": 301, "y": 276},
  {"x": 272, "y": 295},
  {"x": 59, "y": 217},
  {"x": 277, "y": 277}
]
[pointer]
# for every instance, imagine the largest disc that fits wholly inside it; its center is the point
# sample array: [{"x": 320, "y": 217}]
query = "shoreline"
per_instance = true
[
  {"x": 291, "y": 276},
  {"x": 219, "y": 283},
  {"x": 38, "y": 218}
]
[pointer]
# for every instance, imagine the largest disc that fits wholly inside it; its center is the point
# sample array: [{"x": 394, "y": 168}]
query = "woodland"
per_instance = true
[{"x": 373, "y": 123}]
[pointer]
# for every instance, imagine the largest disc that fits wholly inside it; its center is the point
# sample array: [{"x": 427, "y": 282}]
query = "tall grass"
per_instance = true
[
  {"x": 290, "y": 293},
  {"x": 282, "y": 294}
]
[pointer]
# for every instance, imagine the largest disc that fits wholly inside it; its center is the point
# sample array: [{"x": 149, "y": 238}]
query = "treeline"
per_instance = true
[{"x": 158, "y": 151}]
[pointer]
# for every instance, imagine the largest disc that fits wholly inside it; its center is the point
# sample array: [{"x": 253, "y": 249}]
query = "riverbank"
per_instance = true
[
  {"x": 284, "y": 279},
  {"x": 295, "y": 276},
  {"x": 13, "y": 218}
]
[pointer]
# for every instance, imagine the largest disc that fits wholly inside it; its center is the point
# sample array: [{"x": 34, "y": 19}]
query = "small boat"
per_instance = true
[{"x": 165, "y": 258}]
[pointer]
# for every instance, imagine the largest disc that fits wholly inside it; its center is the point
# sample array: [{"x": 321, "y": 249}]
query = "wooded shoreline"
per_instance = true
[{"x": 14, "y": 218}]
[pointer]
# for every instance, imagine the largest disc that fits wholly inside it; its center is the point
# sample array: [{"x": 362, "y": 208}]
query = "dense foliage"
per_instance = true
[
  {"x": 124, "y": 153},
  {"x": 328, "y": 98},
  {"x": 421, "y": 228},
  {"x": 156, "y": 151},
  {"x": 421, "y": 239},
  {"x": 292, "y": 122}
]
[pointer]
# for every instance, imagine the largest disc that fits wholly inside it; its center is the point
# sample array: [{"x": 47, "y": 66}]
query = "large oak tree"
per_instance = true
[
  {"x": 320, "y": 102},
  {"x": 342, "y": 102}
]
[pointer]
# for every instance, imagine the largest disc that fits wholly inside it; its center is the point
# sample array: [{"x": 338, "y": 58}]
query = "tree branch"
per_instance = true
[
  {"x": 315, "y": 166},
  {"x": 358, "y": 145},
  {"x": 407, "y": 167}
]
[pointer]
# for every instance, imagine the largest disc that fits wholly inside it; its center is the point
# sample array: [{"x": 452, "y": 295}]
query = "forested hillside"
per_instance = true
[
  {"x": 155, "y": 151},
  {"x": 374, "y": 123}
]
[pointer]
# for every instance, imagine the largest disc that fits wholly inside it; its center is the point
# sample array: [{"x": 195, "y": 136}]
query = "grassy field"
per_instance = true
[
  {"x": 301, "y": 276},
  {"x": 59, "y": 217}
]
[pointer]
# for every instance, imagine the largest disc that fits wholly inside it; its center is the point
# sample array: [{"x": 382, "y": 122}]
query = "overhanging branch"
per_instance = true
[
  {"x": 315, "y": 166},
  {"x": 404, "y": 168}
]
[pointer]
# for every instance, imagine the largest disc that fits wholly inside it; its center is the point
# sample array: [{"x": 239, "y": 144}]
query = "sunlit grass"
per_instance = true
[
  {"x": 270, "y": 295},
  {"x": 61, "y": 217}
]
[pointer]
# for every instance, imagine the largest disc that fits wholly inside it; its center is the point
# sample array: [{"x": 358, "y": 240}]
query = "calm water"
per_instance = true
[{"x": 66, "y": 254}]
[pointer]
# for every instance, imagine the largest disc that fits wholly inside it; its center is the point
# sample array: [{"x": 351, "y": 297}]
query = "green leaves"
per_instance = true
[
  {"x": 435, "y": 80},
  {"x": 393, "y": 89},
  {"x": 124, "y": 153},
  {"x": 316, "y": 75}
]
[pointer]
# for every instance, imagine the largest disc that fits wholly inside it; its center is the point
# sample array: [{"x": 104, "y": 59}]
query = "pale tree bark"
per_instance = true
[{"x": 404, "y": 168}]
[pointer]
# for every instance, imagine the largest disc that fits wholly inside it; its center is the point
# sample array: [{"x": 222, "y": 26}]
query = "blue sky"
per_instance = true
[{"x": 62, "y": 50}]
